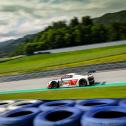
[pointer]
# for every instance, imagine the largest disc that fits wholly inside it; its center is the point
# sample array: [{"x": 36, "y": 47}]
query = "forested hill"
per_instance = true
[
  {"x": 112, "y": 17},
  {"x": 76, "y": 32},
  {"x": 9, "y": 46}
]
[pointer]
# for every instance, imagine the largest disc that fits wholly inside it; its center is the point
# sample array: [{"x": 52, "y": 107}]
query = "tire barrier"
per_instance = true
[
  {"x": 105, "y": 116},
  {"x": 6, "y": 102},
  {"x": 25, "y": 103},
  {"x": 84, "y": 112},
  {"x": 66, "y": 116},
  {"x": 117, "y": 101},
  {"x": 122, "y": 102},
  {"x": 86, "y": 105},
  {"x": 56, "y": 104},
  {"x": 19, "y": 117},
  {"x": 2, "y": 110}
]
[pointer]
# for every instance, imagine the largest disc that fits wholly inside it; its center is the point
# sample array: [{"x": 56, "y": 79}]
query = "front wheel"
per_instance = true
[
  {"x": 82, "y": 83},
  {"x": 54, "y": 84}
]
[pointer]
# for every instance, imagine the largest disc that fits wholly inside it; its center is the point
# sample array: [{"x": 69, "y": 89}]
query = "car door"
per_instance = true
[{"x": 69, "y": 81}]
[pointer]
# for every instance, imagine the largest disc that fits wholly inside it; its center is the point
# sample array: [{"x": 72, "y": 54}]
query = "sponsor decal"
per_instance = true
[{"x": 73, "y": 82}]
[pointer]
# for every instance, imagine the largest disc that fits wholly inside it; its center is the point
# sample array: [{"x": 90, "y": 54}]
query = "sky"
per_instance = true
[{"x": 23, "y": 17}]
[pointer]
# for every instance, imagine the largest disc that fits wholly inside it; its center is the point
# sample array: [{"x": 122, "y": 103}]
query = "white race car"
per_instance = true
[{"x": 72, "y": 80}]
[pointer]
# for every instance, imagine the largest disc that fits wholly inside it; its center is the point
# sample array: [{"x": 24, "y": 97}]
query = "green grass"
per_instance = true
[
  {"x": 81, "y": 93},
  {"x": 44, "y": 62}
]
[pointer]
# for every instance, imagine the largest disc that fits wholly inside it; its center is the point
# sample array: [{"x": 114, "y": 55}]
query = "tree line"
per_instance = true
[{"x": 76, "y": 32}]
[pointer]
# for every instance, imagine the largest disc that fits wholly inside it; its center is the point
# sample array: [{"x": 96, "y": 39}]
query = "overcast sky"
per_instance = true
[{"x": 22, "y": 17}]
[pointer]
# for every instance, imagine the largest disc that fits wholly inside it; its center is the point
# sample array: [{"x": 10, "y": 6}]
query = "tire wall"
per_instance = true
[{"x": 85, "y": 112}]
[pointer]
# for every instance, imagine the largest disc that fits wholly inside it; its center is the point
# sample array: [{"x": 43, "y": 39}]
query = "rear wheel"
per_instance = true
[
  {"x": 92, "y": 82},
  {"x": 82, "y": 83},
  {"x": 54, "y": 84}
]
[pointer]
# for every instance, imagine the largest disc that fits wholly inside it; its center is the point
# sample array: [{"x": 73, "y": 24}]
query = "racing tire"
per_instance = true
[
  {"x": 105, "y": 116},
  {"x": 92, "y": 83},
  {"x": 56, "y": 104},
  {"x": 19, "y": 117},
  {"x": 54, "y": 84},
  {"x": 67, "y": 116},
  {"x": 25, "y": 103},
  {"x": 82, "y": 83},
  {"x": 87, "y": 105}
]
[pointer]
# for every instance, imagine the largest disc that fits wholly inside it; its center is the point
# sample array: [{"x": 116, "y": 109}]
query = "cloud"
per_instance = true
[{"x": 21, "y": 17}]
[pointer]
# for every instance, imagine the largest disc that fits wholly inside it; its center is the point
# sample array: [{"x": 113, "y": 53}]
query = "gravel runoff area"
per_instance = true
[{"x": 82, "y": 69}]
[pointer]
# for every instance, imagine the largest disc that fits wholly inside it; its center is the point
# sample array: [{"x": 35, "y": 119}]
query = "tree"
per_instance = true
[
  {"x": 59, "y": 24},
  {"x": 60, "y": 34},
  {"x": 77, "y": 35},
  {"x": 86, "y": 21},
  {"x": 74, "y": 22},
  {"x": 117, "y": 31},
  {"x": 68, "y": 39},
  {"x": 30, "y": 48},
  {"x": 99, "y": 33}
]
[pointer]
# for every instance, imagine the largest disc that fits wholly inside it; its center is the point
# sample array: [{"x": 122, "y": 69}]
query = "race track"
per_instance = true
[
  {"x": 104, "y": 76},
  {"x": 83, "y": 47}
]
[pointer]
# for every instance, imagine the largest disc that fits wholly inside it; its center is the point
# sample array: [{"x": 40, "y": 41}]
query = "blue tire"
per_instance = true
[
  {"x": 105, "y": 116},
  {"x": 86, "y": 105},
  {"x": 2, "y": 110},
  {"x": 25, "y": 103},
  {"x": 122, "y": 102},
  {"x": 67, "y": 116},
  {"x": 117, "y": 100},
  {"x": 56, "y": 104},
  {"x": 6, "y": 103},
  {"x": 19, "y": 117}
]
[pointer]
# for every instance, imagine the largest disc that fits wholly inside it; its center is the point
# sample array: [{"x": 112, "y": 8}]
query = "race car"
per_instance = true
[{"x": 72, "y": 80}]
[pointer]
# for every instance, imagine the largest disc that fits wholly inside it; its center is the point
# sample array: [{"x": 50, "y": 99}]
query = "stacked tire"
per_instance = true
[
  {"x": 20, "y": 113},
  {"x": 56, "y": 104},
  {"x": 4, "y": 105},
  {"x": 86, "y": 105},
  {"x": 87, "y": 112},
  {"x": 105, "y": 116},
  {"x": 25, "y": 103},
  {"x": 19, "y": 117},
  {"x": 66, "y": 116}
]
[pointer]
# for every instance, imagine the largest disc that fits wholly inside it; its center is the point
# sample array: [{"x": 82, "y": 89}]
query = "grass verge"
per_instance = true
[
  {"x": 81, "y": 93},
  {"x": 44, "y": 62}
]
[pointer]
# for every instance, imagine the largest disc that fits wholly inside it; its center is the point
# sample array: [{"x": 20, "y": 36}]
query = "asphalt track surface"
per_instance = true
[
  {"x": 91, "y": 46},
  {"x": 107, "y": 77}
]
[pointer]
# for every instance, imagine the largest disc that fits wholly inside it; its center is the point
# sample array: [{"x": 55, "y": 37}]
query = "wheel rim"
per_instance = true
[{"x": 54, "y": 85}]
